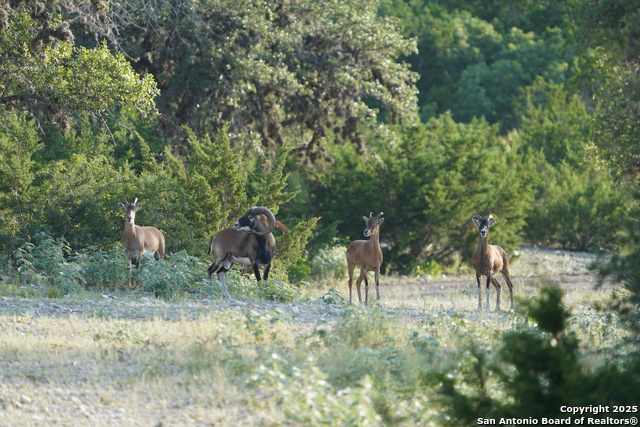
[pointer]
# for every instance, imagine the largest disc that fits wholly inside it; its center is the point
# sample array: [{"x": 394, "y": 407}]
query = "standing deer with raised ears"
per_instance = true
[
  {"x": 137, "y": 240},
  {"x": 367, "y": 255},
  {"x": 489, "y": 260}
]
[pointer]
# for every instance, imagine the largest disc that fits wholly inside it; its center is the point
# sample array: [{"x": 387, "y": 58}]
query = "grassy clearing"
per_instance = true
[{"x": 131, "y": 359}]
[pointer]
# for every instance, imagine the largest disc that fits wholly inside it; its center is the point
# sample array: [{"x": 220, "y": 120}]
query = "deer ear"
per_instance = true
[
  {"x": 476, "y": 220},
  {"x": 492, "y": 220},
  {"x": 381, "y": 221},
  {"x": 365, "y": 218},
  {"x": 139, "y": 205},
  {"x": 121, "y": 205}
]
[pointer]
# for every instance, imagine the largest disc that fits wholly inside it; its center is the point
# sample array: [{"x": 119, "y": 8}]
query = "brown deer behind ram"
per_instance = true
[{"x": 489, "y": 260}]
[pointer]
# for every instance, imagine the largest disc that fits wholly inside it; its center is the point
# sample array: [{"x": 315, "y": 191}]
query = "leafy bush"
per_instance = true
[
  {"x": 290, "y": 247},
  {"x": 276, "y": 290},
  {"x": 43, "y": 267},
  {"x": 578, "y": 203},
  {"x": 48, "y": 267},
  {"x": 18, "y": 143},
  {"x": 332, "y": 296},
  {"x": 171, "y": 276},
  {"x": 329, "y": 263},
  {"x": 242, "y": 284},
  {"x": 580, "y": 210},
  {"x": 188, "y": 198},
  {"x": 310, "y": 398},
  {"x": 624, "y": 264},
  {"x": 105, "y": 269},
  {"x": 539, "y": 368}
]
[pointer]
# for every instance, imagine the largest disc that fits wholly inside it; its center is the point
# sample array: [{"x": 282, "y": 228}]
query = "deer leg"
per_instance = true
[
  {"x": 487, "y": 290},
  {"x": 212, "y": 269},
  {"x": 265, "y": 272},
  {"x": 507, "y": 278},
  {"x": 497, "y": 285},
  {"x": 130, "y": 272},
  {"x": 366, "y": 288},
  {"x": 360, "y": 278},
  {"x": 223, "y": 286},
  {"x": 479, "y": 292},
  {"x": 378, "y": 285},
  {"x": 135, "y": 260},
  {"x": 351, "y": 267},
  {"x": 221, "y": 267},
  {"x": 256, "y": 272}
]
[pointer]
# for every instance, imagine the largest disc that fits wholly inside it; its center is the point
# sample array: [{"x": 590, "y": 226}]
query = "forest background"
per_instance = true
[{"x": 430, "y": 111}]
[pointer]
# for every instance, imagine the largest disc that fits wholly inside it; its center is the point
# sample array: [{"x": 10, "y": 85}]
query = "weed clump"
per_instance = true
[{"x": 536, "y": 372}]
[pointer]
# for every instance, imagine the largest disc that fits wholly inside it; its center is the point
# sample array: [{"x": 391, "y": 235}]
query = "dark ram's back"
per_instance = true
[{"x": 244, "y": 244}]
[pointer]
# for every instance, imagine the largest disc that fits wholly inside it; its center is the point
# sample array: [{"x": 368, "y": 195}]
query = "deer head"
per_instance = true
[
  {"x": 484, "y": 224},
  {"x": 371, "y": 223},
  {"x": 130, "y": 210},
  {"x": 254, "y": 221}
]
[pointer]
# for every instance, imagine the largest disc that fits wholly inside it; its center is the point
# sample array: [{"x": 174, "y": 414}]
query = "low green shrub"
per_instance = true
[
  {"x": 276, "y": 290},
  {"x": 42, "y": 268},
  {"x": 106, "y": 269},
  {"x": 329, "y": 263},
  {"x": 171, "y": 276},
  {"x": 539, "y": 368}
]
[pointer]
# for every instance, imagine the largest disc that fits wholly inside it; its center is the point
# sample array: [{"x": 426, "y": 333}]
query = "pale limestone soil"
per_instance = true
[{"x": 530, "y": 270}]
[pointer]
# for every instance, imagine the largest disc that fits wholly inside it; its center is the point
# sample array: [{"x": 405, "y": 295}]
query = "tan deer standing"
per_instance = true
[
  {"x": 138, "y": 240},
  {"x": 489, "y": 260},
  {"x": 367, "y": 255}
]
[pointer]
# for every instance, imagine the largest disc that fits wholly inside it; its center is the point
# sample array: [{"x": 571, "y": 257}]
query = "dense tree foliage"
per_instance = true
[
  {"x": 46, "y": 73},
  {"x": 578, "y": 203},
  {"x": 279, "y": 73},
  {"x": 429, "y": 184},
  {"x": 472, "y": 62},
  {"x": 429, "y": 110}
]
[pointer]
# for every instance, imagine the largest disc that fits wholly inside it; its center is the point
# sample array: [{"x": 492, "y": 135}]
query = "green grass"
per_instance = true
[{"x": 131, "y": 359}]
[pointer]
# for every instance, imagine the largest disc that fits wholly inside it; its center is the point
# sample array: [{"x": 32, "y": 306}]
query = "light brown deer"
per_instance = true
[
  {"x": 367, "y": 255},
  {"x": 489, "y": 260},
  {"x": 137, "y": 240}
]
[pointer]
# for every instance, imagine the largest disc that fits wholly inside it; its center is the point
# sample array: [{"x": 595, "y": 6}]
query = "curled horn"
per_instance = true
[
  {"x": 271, "y": 219},
  {"x": 135, "y": 201},
  {"x": 379, "y": 215}
]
